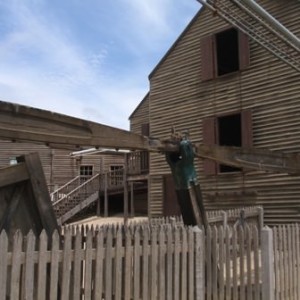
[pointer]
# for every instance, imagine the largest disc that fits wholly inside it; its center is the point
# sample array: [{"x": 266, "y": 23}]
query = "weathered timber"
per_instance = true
[
  {"x": 25, "y": 201},
  {"x": 20, "y": 122},
  {"x": 257, "y": 159}
]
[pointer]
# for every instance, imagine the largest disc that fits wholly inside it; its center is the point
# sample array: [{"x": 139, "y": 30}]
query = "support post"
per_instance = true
[
  {"x": 132, "y": 199},
  {"x": 267, "y": 257},
  {"x": 125, "y": 190},
  {"x": 105, "y": 196}
]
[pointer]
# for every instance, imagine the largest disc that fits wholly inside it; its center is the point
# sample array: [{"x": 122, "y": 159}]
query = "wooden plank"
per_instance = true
[
  {"x": 199, "y": 263},
  {"x": 191, "y": 264},
  {"x": 3, "y": 264},
  {"x": 169, "y": 264},
  {"x": 66, "y": 266},
  {"x": 78, "y": 265},
  {"x": 29, "y": 266},
  {"x": 276, "y": 263},
  {"x": 248, "y": 237},
  {"x": 154, "y": 265},
  {"x": 234, "y": 264},
  {"x": 214, "y": 259},
  {"x": 16, "y": 265},
  {"x": 40, "y": 192},
  {"x": 298, "y": 259},
  {"x": 285, "y": 262},
  {"x": 145, "y": 263},
  {"x": 118, "y": 265},
  {"x": 161, "y": 264},
  {"x": 177, "y": 264},
  {"x": 42, "y": 266},
  {"x": 13, "y": 174},
  {"x": 184, "y": 273},
  {"x": 209, "y": 263},
  {"x": 294, "y": 260},
  {"x": 267, "y": 264},
  {"x": 136, "y": 264},
  {"x": 281, "y": 262},
  {"x": 228, "y": 265},
  {"x": 290, "y": 261},
  {"x": 55, "y": 253},
  {"x": 88, "y": 265},
  {"x": 241, "y": 241},
  {"x": 257, "y": 159},
  {"x": 22, "y": 123},
  {"x": 221, "y": 262},
  {"x": 128, "y": 265},
  {"x": 257, "y": 291},
  {"x": 99, "y": 265},
  {"x": 108, "y": 265}
]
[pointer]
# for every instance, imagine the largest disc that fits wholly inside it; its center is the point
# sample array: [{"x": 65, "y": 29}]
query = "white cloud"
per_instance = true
[{"x": 46, "y": 65}]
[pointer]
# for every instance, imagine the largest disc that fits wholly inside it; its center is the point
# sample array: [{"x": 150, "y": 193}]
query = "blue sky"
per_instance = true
[{"x": 86, "y": 58}]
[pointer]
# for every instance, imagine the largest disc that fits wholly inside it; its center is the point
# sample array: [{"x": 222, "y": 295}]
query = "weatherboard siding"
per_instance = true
[
  {"x": 58, "y": 165},
  {"x": 140, "y": 116},
  {"x": 268, "y": 87}
]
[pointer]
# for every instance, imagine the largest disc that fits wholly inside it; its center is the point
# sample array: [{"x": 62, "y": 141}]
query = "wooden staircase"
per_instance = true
[
  {"x": 81, "y": 191},
  {"x": 75, "y": 196}
]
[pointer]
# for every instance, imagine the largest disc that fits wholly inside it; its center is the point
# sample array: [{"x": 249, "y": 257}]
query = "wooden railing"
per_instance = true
[
  {"x": 77, "y": 195},
  {"x": 65, "y": 189},
  {"x": 138, "y": 163}
]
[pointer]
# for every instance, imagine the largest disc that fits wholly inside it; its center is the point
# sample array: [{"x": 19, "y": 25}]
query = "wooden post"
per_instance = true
[
  {"x": 125, "y": 190},
  {"x": 131, "y": 199},
  {"x": 260, "y": 217},
  {"x": 199, "y": 263},
  {"x": 267, "y": 257},
  {"x": 105, "y": 196}
]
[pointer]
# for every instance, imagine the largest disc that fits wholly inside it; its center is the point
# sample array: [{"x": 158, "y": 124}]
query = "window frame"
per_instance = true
[
  {"x": 209, "y": 54},
  {"x": 211, "y": 138}
]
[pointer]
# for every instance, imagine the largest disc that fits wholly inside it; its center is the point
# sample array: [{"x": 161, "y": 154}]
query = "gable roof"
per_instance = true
[
  {"x": 139, "y": 105},
  {"x": 176, "y": 42}
]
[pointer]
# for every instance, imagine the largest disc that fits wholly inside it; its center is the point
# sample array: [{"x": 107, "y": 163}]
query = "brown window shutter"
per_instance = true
[
  {"x": 244, "y": 51},
  {"x": 207, "y": 58},
  {"x": 209, "y": 138},
  {"x": 145, "y": 130},
  {"x": 247, "y": 135}
]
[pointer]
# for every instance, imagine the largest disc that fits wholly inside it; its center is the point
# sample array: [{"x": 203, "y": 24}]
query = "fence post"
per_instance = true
[
  {"x": 267, "y": 260},
  {"x": 199, "y": 263}
]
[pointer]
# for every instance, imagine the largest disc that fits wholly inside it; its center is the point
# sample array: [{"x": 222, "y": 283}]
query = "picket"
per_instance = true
[
  {"x": 16, "y": 265},
  {"x": 165, "y": 261},
  {"x": 54, "y": 262},
  {"x": 29, "y": 266},
  {"x": 42, "y": 266},
  {"x": 3, "y": 264}
]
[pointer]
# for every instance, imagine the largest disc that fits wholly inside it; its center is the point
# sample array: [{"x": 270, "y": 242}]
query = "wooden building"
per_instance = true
[
  {"x": 226, "y": 89},
  {"x": 61, "y": 167}
]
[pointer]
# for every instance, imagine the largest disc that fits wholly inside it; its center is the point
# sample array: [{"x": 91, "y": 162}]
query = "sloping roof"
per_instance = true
[
  {"x": 139, "y": 105},
  {"x": 176, "y": 42}
]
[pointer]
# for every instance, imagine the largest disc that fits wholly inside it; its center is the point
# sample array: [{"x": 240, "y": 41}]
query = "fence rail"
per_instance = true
[{"x": 166, "y": 261}]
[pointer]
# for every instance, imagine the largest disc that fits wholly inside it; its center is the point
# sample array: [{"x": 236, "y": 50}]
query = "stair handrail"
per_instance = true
[
  {"x": 57, "y": 191},
  {"x": 76, "y": 189}
]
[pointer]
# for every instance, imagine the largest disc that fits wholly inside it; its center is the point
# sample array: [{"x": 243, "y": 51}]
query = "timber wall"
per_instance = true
[
  {"x": 268, "y": 87},
  {"x": 59, "y": 167}
]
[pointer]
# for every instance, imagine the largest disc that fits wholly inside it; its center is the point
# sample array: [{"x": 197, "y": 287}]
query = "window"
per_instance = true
[
  {"x": 116, "y": 175},
  {"x": 227, "y": 130},
  {"x": 86, "y": 171},
  {"x": 223, "y": 53},
  {"x": 227, "y": 51},
  {"x": 229, "y": 133}
]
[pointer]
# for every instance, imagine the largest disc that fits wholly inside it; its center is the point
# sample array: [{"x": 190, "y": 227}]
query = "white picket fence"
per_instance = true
[{"x": 164, "y": 261}]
